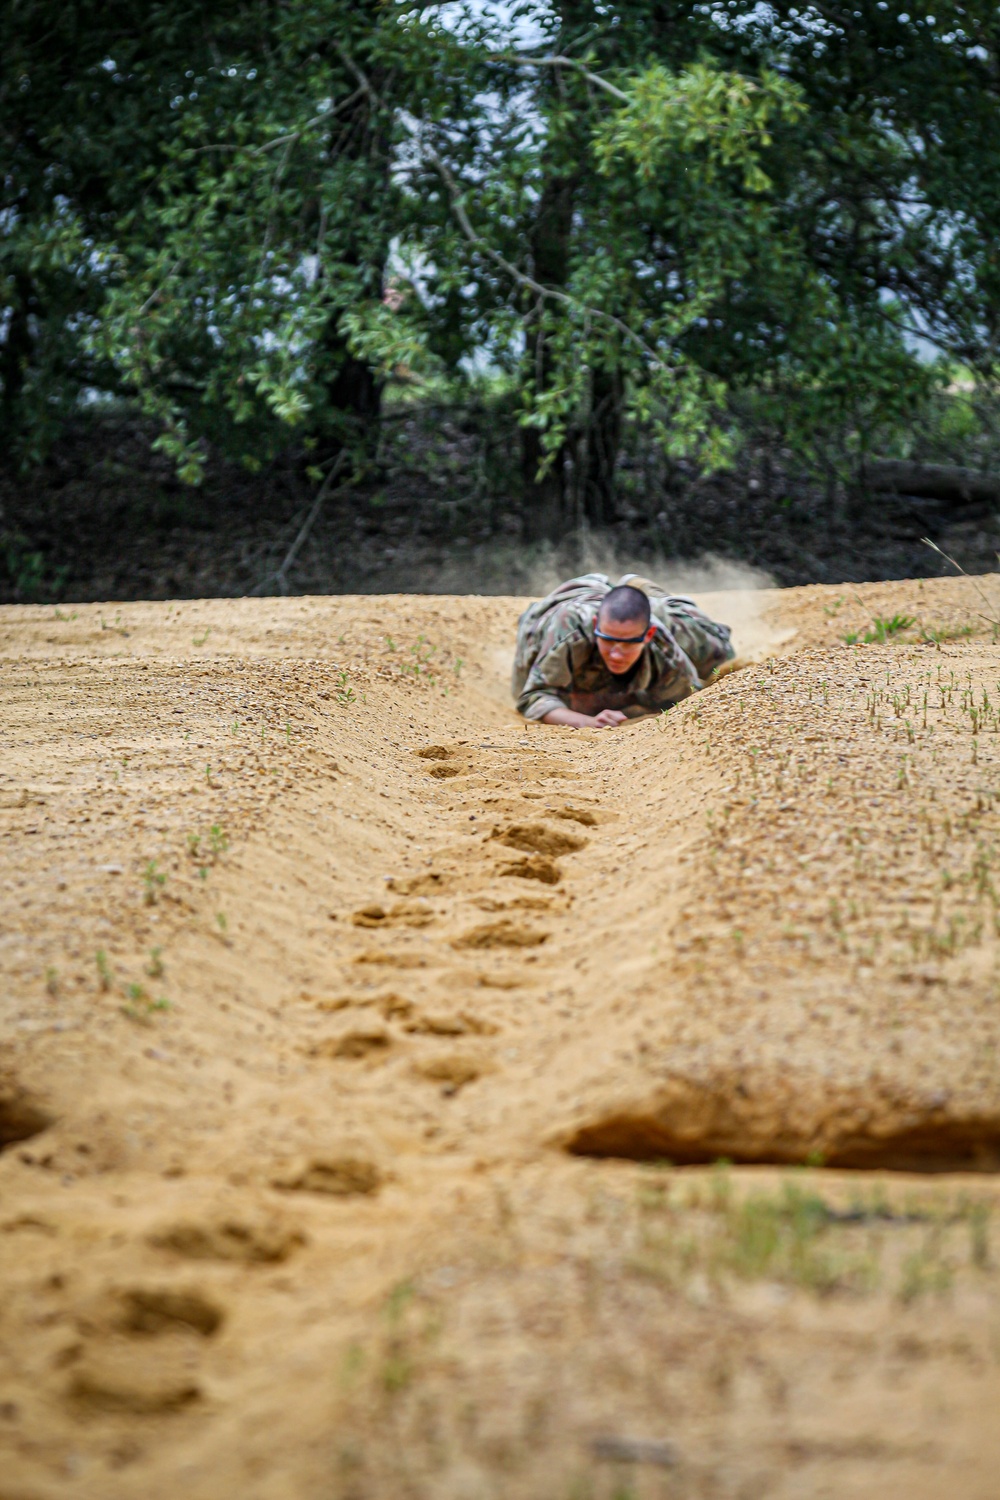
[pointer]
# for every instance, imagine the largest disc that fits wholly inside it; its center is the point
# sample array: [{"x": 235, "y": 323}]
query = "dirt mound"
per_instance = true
[
  {"x": 770, "y": 1121},
  {"x": 338, "y": 1095}
]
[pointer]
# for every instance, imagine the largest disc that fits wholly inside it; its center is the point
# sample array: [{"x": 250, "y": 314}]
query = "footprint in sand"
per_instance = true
[
  {"x": 140, "y": 1350},
  {"x": 502, "y": 934},
  {"x": 431, "y": 884},
  {"x": 442, "y": 757},
  {"x": 462, "y": 1024},
  {"x": 536, "y": 838},
  {"x": 119, "y": 1376},
  {"x": 576, "y": 815},
  {"x": 403, "y": 914},
  {"x": 390, "y": 1006},
  {"x": 249, "y": 1241},
  {"x": 338, "y": 1176},
  {"x": 391, "y": 960},
  {"x": 22, "y": 1115},
  {"x": 536, "y": 867},
  {"x": 453, "y": 1071},
  {"x": 155, "y": 1310},
  {"x": 353, "y": 1045}
]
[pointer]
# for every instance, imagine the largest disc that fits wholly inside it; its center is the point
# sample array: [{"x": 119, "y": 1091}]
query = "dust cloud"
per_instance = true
[
  {"x": 524, "y": 570},
  {"x": 732, "y": 592}
]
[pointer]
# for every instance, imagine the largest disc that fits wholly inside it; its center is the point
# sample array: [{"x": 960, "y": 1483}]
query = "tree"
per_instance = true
[
  {"x": 244, "y": 221},
  {"x": 773, "y": 207},
  {"x": 196, "y": 205}
]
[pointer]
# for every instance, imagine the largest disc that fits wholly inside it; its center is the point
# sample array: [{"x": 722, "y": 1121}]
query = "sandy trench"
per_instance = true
[{"x": 368, "y": 1057}]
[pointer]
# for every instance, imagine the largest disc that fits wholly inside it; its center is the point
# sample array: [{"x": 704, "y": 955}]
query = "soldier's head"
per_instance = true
[{"x": 623, "y": 627}]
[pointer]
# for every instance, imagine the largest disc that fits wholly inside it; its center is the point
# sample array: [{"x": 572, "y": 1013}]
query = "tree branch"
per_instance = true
[
  {"x": 561, "y": 62},
  {"x": 292, "y": 135},
  {"x": 280, "y": 575},
  {"x": 455, "y": 196},
  {"x": 552, "y": 294}
]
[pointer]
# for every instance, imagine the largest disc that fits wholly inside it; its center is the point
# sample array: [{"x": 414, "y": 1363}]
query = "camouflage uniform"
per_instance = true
[{"x": 557, "y": 663}]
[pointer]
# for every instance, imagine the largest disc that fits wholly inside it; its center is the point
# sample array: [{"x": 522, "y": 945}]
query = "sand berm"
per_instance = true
[{"x": 399, "y": 1102}]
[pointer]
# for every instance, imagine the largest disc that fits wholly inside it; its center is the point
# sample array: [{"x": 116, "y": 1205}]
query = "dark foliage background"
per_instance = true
[{"x": 432, "y": 293}]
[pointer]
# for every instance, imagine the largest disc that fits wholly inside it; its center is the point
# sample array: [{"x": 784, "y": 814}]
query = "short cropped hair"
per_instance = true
[{"x": 625, "y": 603}]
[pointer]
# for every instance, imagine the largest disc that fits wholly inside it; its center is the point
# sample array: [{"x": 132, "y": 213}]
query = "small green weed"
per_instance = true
[
  {"x": 881, "y": 631},
  {"x": 155, "y": 968},
  {"x": 925, "y": 1272},
  {"x": 105, "y": 974},
  {"x": 787, "y": 1236},
  {"x": 933, "y": 635},
  {"x": 154, "y": 880},
  {"x": 979, "y": 1235},
  {"x": 140, "y": 1007},
  {"x": 397, "y": 1371},
  {"x": 52, "y": 982}
]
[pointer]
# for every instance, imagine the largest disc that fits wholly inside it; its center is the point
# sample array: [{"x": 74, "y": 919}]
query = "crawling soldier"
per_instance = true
[{"x": 592, "y": 655}]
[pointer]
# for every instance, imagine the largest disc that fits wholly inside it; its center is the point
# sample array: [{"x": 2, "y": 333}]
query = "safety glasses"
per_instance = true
[{"x": 622, "y": 640}]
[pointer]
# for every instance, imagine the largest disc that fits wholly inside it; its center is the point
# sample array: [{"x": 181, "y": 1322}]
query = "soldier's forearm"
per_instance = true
[{"x": 568, "y": 716}]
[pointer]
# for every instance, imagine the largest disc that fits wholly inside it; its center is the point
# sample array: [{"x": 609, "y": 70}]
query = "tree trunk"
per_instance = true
[
  {"x": 544, "y": 518},
  {"x": 600, "y": 453},
  {"x": 931, "y": 481},
  {"x": 16, "y": 350},
  {"x": 545, "y": 500},
  {"x": 355, "y": 390}
]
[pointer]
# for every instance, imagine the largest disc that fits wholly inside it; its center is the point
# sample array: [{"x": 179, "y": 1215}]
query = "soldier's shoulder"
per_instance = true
[{"x": 572, "y": 616}]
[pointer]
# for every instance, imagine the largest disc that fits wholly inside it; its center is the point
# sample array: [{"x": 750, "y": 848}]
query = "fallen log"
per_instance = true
[{"x": 949, "y": 482}]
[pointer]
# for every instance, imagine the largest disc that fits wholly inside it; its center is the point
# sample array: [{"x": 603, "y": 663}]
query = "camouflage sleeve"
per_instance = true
[
  {"x": 675, "y": 675},
  {"x": 548, "y": 682},
  {"x": 705, "y": 643}
]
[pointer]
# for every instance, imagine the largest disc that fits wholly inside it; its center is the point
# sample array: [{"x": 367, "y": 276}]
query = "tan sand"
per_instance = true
[{"x": 368, "y": 1057}]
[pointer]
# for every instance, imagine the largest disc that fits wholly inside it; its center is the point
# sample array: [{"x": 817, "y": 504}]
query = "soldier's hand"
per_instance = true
[{"x": 608, "y": 718}]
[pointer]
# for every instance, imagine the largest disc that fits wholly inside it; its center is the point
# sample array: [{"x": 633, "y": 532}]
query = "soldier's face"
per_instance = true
[{"x": 620, "y": 642}]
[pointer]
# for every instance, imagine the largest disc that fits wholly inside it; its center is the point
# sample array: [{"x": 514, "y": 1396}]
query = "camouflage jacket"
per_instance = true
[{"x": 557, "y": 663}]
